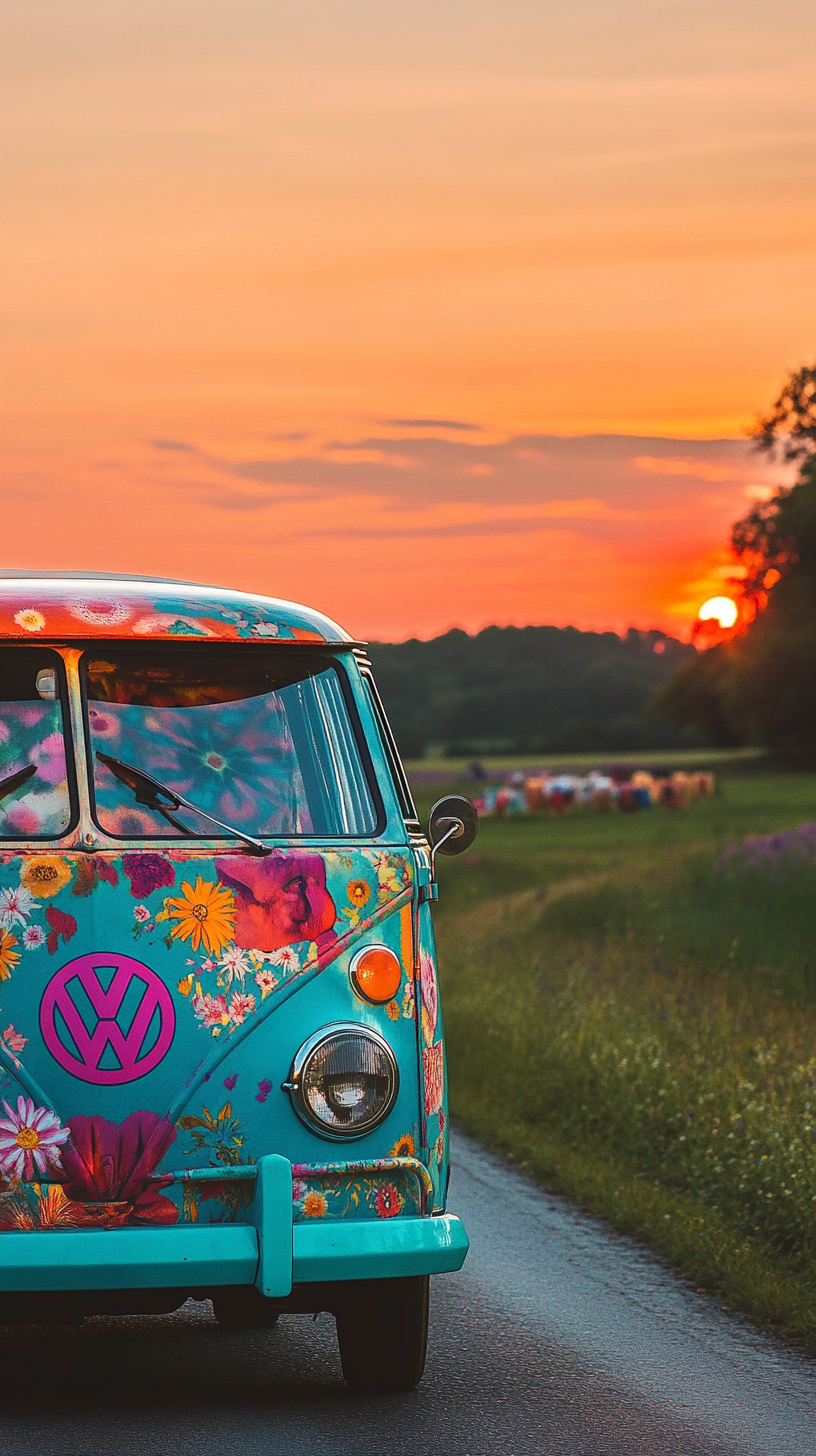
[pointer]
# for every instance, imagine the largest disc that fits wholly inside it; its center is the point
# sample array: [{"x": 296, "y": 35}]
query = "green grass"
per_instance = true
[{"x": 636, "y": 1026}]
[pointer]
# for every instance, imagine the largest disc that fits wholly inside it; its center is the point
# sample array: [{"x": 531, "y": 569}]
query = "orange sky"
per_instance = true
[{"x": 257, "y": 232}]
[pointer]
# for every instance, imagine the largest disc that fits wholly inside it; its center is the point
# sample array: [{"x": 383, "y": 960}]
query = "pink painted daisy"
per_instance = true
[
  {"x": 33, "y": 937},
  {"x": 240, "y": 1006},
  {"x": 266, "y": 983},
  {"x": 141, "y": 913},
  {"x": 29, "y": 1138}
]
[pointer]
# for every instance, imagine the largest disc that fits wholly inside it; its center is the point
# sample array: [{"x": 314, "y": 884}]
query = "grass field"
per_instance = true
[
  {"x": 683, "y": 758},
  {"x": 635, "y": 1023}
]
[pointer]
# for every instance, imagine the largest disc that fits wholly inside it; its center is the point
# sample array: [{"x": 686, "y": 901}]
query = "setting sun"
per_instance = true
[{"x": 719, "y": 609}]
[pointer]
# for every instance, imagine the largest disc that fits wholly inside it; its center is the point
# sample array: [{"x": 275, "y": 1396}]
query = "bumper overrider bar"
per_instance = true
[{"x": 270, "y": 1251}]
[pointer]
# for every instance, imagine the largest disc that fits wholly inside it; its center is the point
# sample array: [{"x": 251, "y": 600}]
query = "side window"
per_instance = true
[
  {"x": 400, "y": 781},
  {"x": 35, "y": 790}
]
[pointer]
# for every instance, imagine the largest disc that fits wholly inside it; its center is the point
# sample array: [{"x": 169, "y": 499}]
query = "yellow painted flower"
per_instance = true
[
  {"x": 403, "y": 1147},
  {"x": 393, "y": 1010},
  {"x": 314, "y": 1205},
  {"x": 30, "y": 619},
  {"x": 185, "y": 985},
  {"x": 359, "y": 893},
  {"x": 9, "y": 957},
  {"x": 205, "y": 915},
  {"x": 45, "y": 875}
]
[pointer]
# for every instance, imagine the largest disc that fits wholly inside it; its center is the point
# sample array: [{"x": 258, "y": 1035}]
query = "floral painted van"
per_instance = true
[{"x": 222, "y": 1071}]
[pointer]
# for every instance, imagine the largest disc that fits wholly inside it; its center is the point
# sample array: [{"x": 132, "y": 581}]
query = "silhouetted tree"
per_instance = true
[{"x": 761, "y": 686}]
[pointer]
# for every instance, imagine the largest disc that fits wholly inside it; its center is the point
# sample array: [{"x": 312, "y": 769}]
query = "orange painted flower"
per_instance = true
[
  {"x": 314, "y": 1205},
  {"x": 403, "y": 1147},
  {"x": 205, "y": 915},
  {"x": 45, "y": 875},
  {"x": 9, "y": 957},
  {"x": 359, "y": 893}
]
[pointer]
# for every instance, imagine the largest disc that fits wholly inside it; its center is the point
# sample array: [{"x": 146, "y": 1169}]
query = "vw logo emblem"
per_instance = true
[{"x": 107, "y": 1019}]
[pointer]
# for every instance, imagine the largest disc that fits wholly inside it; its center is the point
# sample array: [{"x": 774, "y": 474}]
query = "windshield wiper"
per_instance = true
[
  {"x": 146, "y": 790},
  {"x": 16, "y": 780}
]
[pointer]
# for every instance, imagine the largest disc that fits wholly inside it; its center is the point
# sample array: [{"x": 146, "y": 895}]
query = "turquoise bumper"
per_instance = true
[{"x": 204, "y": 1255}]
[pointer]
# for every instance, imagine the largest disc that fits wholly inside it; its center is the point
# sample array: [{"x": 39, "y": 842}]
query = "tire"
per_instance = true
[
  {"x": 242, "y": 1307},
  {"x": 382, "y": 1331}
]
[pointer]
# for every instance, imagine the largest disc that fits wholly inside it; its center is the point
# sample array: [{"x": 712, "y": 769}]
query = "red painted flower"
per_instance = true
[
  {"x": 106, "y": 1163},
  {"x": 279, "y": 900},
  {"x": 388, "y": 1201}
]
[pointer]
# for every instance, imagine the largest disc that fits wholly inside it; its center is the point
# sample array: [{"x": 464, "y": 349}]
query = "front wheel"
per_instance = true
[{"x": 382, "y": 1331}]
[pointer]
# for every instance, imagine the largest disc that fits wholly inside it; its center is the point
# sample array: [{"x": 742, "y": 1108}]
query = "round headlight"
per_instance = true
[{"x": 344, "y": 1080}]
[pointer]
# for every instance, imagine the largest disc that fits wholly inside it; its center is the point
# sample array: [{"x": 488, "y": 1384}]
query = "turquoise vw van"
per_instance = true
[{"x": 222, "y": 1072}]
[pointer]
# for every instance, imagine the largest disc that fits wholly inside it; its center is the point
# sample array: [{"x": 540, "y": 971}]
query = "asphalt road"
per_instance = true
[{"x": 557, "y": 1337}]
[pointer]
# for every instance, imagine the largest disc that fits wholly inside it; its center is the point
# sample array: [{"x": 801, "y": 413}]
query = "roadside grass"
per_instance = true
[{"x": 635, "y": 1024}]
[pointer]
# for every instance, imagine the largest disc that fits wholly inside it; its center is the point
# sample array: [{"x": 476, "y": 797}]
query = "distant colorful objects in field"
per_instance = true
[{"x": 600, "y": 791}]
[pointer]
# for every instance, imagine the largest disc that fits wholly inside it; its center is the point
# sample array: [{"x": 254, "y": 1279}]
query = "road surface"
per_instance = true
[{"x": 557, "y": 1338}]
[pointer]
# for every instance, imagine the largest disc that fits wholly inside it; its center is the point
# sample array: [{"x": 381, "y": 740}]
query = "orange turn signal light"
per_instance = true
[{"x": 375, "y": 974}]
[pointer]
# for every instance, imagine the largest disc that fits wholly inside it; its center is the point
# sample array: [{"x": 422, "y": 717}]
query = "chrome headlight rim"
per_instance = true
[{"x": 300, "y": 1061}]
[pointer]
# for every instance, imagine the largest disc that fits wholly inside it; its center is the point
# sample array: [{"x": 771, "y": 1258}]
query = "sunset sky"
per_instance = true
[{"x": 430, "y": 315}]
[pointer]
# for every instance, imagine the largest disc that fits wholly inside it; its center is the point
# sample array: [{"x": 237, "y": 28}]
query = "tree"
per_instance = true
[{"x": 761, "y": 685}]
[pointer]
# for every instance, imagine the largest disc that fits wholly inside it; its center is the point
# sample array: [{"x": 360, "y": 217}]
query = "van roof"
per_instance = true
[{"x": 60, "y": 605}]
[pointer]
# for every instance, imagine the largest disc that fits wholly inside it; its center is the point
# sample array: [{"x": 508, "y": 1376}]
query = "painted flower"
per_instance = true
[
  {"x": 314, "y": 1204},
  {"x": 13, "y": 1042},
  {"x": 101, "y": 611},
  {"x": 212, "y": 1010},
  {"x": 185, "y": 985},
  {"x": 9, "y": 957},
  {"x": 14, "y": 1215},
  {"x": 387, "y": 876},
  {"x": 393, "y": 1011},
  {"x": 33, "y": 937},
  {"x": 147, "y": 872},
  {"x": 16, "y": 906},
  {"x": 54, "y": 1210},
  {"x": 279, "y": 900},
  {"x": 205, "y": 915},
  {"x": 266, "y": 983},
  {"x": 30, "y": 1138},
  {"x": 404, "y": 1147},
  {"x": 30, "y": 619},
  {"x": 430, "y": 996},
  {"x": 433, "y": 1071},
  {"x": 241, "y": 1006},
  {"x": 298, "y": 1190},
  {"x": 235, "y": 961},
  {"x": 45, "y": 875},
  {"x": 142, "y": 914},
  {"x": 114, "y": 1164},
  {"x": 286, "y": 959},
  {"x": 387, "y": 1201},
  {"x": 359, "y": 893}
]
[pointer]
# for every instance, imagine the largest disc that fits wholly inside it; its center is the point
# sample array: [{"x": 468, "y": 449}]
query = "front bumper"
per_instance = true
[{"x": 272, "y": 1253}]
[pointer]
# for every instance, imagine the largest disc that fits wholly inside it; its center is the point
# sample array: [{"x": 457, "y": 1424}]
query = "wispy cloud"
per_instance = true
[{"x": 430, "y": 424}]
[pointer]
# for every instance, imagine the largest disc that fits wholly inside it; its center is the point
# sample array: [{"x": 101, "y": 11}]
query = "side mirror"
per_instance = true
[{"x": 452, "y": 826}]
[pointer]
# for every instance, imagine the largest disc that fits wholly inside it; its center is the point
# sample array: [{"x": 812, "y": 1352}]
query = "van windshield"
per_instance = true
[
  {"x": 262, "y": 739},
  {"x": 35, "y": 801}
]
